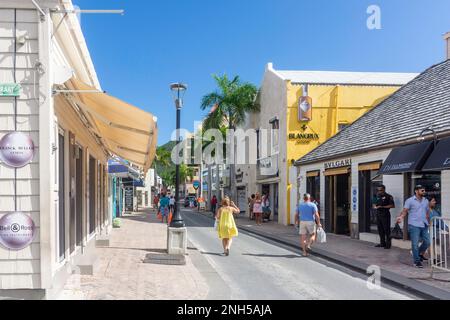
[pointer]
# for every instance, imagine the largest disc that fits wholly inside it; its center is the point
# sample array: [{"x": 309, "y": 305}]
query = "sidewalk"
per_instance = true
[
  {"x": 396, "y": 264},
  {"x": 121, "y": 273}
]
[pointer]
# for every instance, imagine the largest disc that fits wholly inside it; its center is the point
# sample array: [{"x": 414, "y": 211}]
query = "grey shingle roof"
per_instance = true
[{"x": 423, "y": 102}]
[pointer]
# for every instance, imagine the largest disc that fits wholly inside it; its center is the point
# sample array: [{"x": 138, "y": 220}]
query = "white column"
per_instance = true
[{"x": 46, "y": 113}]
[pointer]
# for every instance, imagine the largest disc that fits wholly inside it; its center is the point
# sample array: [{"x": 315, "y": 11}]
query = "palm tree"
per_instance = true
[{"x": 229, "y": 105}]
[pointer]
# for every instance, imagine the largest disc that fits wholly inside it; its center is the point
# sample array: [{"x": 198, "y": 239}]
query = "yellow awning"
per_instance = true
[{"x": 127, "y": 131}]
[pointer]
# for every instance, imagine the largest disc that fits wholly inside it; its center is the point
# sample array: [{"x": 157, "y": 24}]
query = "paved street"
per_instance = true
[{"x": 259, "y": 269}]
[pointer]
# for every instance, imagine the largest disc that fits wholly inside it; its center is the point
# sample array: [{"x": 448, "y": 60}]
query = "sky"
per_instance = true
[{"x": 158, "y": 42}]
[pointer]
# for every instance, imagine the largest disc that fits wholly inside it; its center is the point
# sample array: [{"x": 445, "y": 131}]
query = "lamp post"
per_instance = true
[{"x": 178, "y": 90}]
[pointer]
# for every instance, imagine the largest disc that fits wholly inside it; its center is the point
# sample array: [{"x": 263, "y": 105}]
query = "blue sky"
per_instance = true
[{"x": 159, "y": 42}]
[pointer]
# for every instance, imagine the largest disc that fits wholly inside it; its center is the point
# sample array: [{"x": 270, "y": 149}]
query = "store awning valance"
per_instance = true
[
  {"x": 337, "y": 171},
  {"x": 127, "y": 131},
  {"x": 408, "y": 158},
  {"x": 440, "y": 158},
  {"x": 370, "y": 166},
  {"x": 311, "y": 174}
]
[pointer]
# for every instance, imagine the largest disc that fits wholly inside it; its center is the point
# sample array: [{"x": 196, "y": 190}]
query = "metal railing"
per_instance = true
[{"x": 439, "y": 245}]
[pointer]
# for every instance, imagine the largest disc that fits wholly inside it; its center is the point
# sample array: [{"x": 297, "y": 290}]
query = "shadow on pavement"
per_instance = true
[
  {"x": 289, "y": 256},
  {"x": 212, "y": 253}
]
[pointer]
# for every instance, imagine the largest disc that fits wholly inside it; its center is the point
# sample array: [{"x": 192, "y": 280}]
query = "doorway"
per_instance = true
[
  {"x": 369, "y": 181},
  {"x": 337, "y": 205},
  {"x": 79, "y": 196},
  {"x": 92, "y": 194}
]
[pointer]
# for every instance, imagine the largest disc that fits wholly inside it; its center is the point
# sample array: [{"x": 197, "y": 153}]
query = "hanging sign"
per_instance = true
[
  {"x": 10, "y": 89},
  {"x": 305, "y": 109},
  {"x": 16, "y": 149},
  {"x": 17, "y": 231}
]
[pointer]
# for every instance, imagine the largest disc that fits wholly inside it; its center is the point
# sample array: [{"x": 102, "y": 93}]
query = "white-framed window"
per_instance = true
[{"x": 275, "y": 136}]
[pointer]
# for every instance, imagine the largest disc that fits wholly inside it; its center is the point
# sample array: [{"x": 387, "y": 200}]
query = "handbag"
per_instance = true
[
  {"x": 321, "y": 236},
  {"x": 397, "y": 232},
  {"x": 216, "y": 225}
]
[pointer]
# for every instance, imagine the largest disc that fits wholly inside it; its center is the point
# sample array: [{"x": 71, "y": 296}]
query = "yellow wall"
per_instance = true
[{"x": 331, "y": 105}]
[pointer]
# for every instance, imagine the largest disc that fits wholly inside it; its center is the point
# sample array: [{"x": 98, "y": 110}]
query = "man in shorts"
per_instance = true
[{"x": 307, "y": 218}]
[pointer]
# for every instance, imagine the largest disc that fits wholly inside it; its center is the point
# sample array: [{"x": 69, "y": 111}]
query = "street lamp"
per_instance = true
[
  {"x": 429, "y": 129},
  {"x": 178, "y": 91}
]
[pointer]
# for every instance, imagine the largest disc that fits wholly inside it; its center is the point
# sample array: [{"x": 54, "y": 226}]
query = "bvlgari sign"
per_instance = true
[
  {"x": 16, "y": 231},
  {"x": 338, "y": 164},
  {"x": 16, "y": 149}
]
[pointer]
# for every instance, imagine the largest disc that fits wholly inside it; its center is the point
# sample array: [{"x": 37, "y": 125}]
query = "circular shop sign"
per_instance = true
[
  {"x": 16, "y": 149},
  {"x": 16, "y": 231}
]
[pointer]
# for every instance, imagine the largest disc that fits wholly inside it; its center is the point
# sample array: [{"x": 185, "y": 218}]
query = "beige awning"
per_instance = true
[
  {"x": 127, "y": 131},
  {"x": 311, "y": 174},
  {"x": 337, "y": 171},
  {"x": 370, "y": 166}
]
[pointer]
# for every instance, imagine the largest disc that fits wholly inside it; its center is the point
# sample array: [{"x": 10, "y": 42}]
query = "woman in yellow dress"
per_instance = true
[{"x": 226, "y": 227}]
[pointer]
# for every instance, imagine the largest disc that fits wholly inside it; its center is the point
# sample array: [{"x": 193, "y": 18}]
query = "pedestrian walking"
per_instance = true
[
  {"x": 266, "y": 207},
  {"x": 156, "y": 202},
  {"x": 251, "y": 202},
  {"x": 418, "y": 210},
  {"x": 227, "y": 229},
  {"x": 214, "y": 204},
  {"x": 172, "y": 204},
  {"x": 164, "y": 204},
  {"x": 257, "y": 209},
  {"x": 307, "y": 218},
  {"x": 383, "y": 203}
]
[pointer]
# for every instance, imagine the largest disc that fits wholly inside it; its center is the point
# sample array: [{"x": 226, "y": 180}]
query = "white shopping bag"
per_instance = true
[
  {"x": 216, "y": 225},
  {"x": 321, "y": 236}
]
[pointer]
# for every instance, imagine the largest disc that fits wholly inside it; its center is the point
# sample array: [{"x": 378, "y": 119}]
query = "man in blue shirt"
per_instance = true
[
  {"x": 307, "y": 217},
  {"x": 418, "y": 210}
]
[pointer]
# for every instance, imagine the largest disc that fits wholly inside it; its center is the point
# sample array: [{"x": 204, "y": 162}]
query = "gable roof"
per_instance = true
[
  {"x": 344, "y": 77},
  {"x": 423, "y": 102}
]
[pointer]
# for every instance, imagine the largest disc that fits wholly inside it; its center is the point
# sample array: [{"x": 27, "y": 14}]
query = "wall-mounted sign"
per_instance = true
[
  {"x": 305, "y": 109},
  {"x": 16, "y": 231},
  {"x": 338, "y": 164},
  {"x": 16, "y": 149},
  {"x": 129, "y": 199},
  {"x": 196, "y": 184},
  {"x": 303, "y": 138},
  {"x": 10, "y": 89},
  {"x": 354, "y": 198}
]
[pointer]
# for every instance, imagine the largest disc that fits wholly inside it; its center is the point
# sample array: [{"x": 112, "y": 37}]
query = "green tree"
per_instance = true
[{"x": 229, "y": 105}]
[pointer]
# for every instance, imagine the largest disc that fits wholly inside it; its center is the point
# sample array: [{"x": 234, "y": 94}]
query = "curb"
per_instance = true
[
  {"x": 420, "y": 289},
  {"x": 413, "y": 286}
]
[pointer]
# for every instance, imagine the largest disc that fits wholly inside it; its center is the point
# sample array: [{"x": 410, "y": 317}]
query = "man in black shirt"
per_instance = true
[{"x": 384, "y": 202}]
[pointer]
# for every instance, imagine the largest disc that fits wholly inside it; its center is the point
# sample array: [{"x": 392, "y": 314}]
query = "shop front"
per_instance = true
[
  {"x": 57, "y": 131},
  {"x": 399, "y": 154}
]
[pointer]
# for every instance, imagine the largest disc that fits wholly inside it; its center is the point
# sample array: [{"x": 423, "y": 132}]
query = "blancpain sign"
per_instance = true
[
  {"x": 17, "y": 231},
  {"x": 16, "y": 149}
]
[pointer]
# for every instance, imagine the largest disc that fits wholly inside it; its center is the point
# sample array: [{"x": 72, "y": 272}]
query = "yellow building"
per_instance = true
[{"x": 308, "y": 107}]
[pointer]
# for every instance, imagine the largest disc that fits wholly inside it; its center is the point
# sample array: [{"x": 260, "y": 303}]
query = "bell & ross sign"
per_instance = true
[
  {"x": 17, "y": 231},
  {"x": 338, "y": 164}
]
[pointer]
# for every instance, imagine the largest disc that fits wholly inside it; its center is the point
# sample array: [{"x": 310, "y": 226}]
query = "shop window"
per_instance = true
[
  {"x": 432, "y": 184},
  {"x": 275, "y": 136},
  {"x": 313, "y": 188}
]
